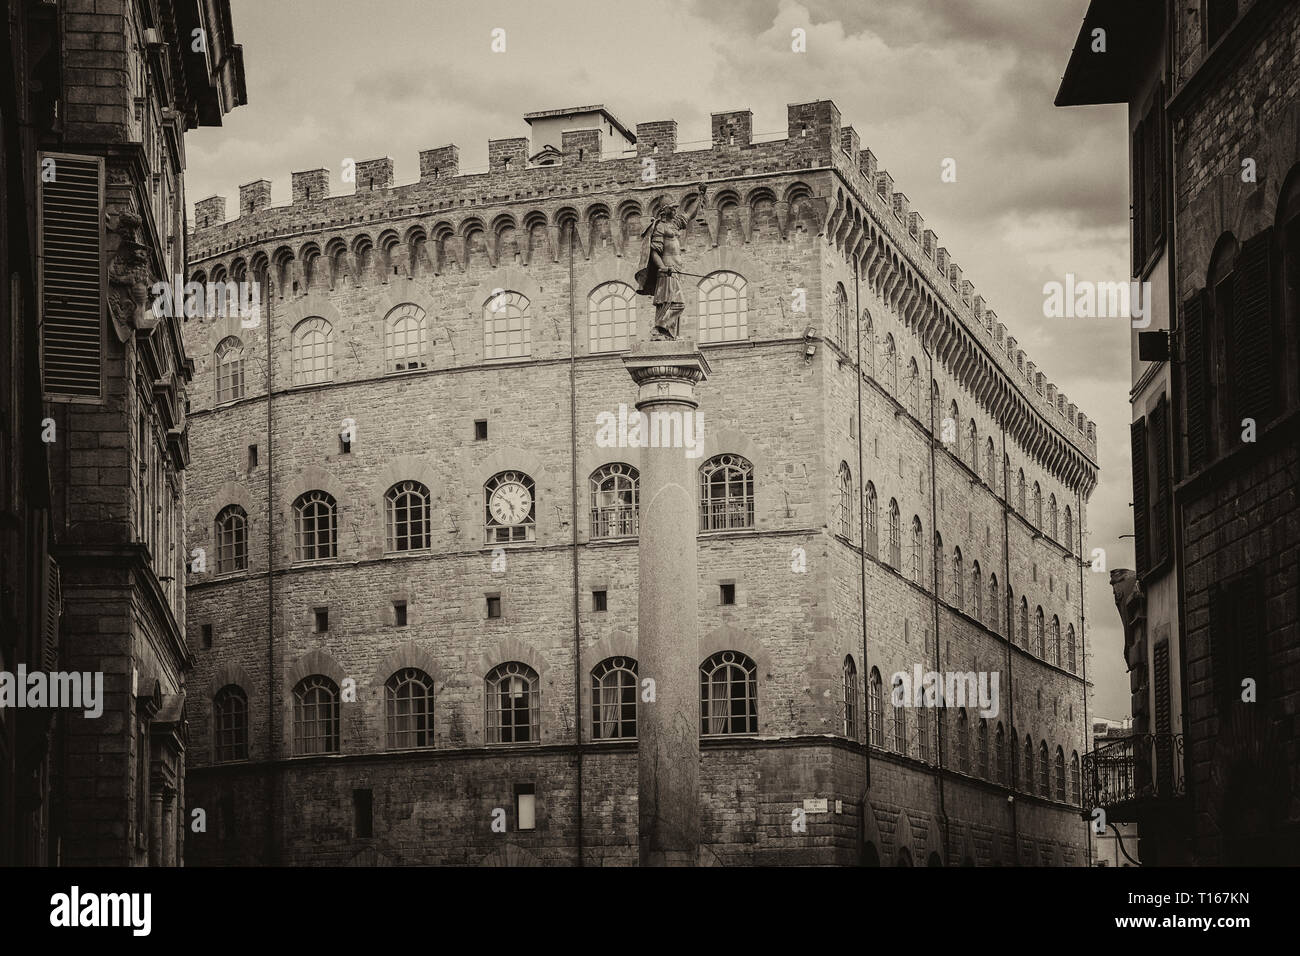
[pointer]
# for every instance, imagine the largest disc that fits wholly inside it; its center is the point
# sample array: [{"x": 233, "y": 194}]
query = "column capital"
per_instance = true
[{"x": 667, "y": 372}]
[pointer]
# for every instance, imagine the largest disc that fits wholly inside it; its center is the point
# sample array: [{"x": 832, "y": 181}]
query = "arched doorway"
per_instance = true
[{"x": 903, "y": 857}]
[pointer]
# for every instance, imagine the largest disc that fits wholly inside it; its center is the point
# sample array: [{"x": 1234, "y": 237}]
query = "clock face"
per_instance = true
[{"x": 510, "y": 503}]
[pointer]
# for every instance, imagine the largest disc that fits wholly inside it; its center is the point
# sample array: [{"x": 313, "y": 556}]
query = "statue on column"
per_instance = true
[{"x": 661, "y": 263}]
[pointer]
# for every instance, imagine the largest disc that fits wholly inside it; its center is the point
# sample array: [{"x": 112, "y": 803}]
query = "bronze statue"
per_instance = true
[{"x": 661, "y": 263}]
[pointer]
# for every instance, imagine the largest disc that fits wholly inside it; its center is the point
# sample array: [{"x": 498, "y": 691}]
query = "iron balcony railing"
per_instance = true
[{"x": 1135, "y": 770}]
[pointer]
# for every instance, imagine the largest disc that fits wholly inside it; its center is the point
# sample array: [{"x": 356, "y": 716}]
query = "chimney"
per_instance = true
[
  {"x": 374, "y": 174},
  {"x": 209, "y": 212},
  {"x": 254, "y": 196},
  {"x": 311, "y": 185},
  {"x": 440, "y": 163},
  {"x": 732, "y": 129}
]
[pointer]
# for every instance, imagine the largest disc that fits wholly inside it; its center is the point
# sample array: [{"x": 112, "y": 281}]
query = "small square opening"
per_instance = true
[
  {"x": 600, "y": 600},
  {"x": 480, "y": 430},
  {"x": 525, "y": 807},
  {"x": 494, "y": 605},
  {"x": 321, "y": 617},
  {"x": 727, "y": 593},
  {"x": 363, "y": 813},
  {"x": 252, "y": 457},
  {"x": 207, "y": 635},
  {"x": 399, "y": 613}
]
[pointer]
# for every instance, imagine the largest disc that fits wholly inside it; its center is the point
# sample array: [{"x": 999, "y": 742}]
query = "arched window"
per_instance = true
[
  {"x": 841, "y": 317},
  {"x": 229, "y": 359},
  {"x": 875, "y": 709},
  {"x": 230, "y": 724},
  {"x": 872, "y": 515},
  {"x": 1038, "y": 506},
  {"x": 1020, "y": 492},
  {"x": 918, "y": 550},
  {"x": 611, "y": 317},
  {"x": 1076, "y": 797},
  {"x": 982, "y": 749},
  {"x": 977, "y": 590},
  {"x": 724, "y": 307},
  {"x": 231, "y": 533},
  {"x": 1069, "y": 531},
  {"x": 851, "y": 691},
  {"x": 514, "y": 707},
  {"x": 958, "y": 580},
  {"x": 1051, "y": 517},
  {"x": 963, "y": 741},
  {"x": 922, "y": 734},
  {"x": 914, "y": 389},
  {"x": 728, "y": 694},
  {"x": 868, "y": 344},
  {"x": 1027, "y": 778},
  {"x": 405, "y": 339},
  {"x": 995, "y": 598},
  {"x": 315, "y": 525},
  {"x": 1071, "y": 660},
  {"x": 1060, "y": 774},
  {"x": 313, "y": 352},
  {"x": 1024, "y": 623},
  {"x": 895, "y": 537},
  {"x": 1056, "y": 640},
  {"x": 615, "y": 505},
  {"x": 507, "y": 326},
  {"x": 990, "y": 465},
  {"x": 613, "y": 699},
  {"x": 316, "y": 716},
  {"x": 900, "y": 720},
  {"x": 409, "y": 524},
  {"x": 973, "y": 446},
  {"x": 954, "y": 423},
  {"x": 846, "y": 501},
  {"x": 1044, "y": 771},
  {"x": 940, "y": 559},
  {"x": 1040, "y": 634},
  {"x": 891, "y": 366},
  {"x": 1000, "y": 753},
  {"x": 510, "y": 508},
  {"x": 408, "y": 696},
  {"x": 935, "y": 412},
  {"x": 726, "y": 493}
]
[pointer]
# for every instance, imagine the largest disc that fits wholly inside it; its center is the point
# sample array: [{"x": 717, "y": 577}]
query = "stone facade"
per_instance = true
[{"x": 803, "y": 389}]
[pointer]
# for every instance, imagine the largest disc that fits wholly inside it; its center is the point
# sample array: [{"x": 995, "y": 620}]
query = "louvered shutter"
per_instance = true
[
  {"x": 1163, "y": 720},
  {"x": 53, "y": 612},
  {"x": 1154, "y": 142},
  {"x": 1195, "y": 372},
  {"x": 71, "y": 276},
  {"x": 1138, "y": 198},
  {"x": 1251, "y": 375},
  {"x": 1141, "y": 548},
  {"x": 1161, "y": 494}
]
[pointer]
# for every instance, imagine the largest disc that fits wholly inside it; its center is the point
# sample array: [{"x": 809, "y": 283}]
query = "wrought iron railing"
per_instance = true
[{"x": 1137, "y": 768}]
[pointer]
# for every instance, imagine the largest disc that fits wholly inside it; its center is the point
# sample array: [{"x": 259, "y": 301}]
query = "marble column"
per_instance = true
[{"x": 668, "y": 728}]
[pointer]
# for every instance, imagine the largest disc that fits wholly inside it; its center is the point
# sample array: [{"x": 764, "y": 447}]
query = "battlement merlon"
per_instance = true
[{"x": 592, "y": 146}]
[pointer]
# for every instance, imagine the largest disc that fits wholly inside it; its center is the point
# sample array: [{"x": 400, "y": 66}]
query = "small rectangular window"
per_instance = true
[
  {"x": 727, "y": 593},
  {"x": 363, "y": 813},
  {"x": 345, "y": 445},
  {"x": 399, "y": 613},
  {"x": 600, "y": 600},
  {"x": 207, "y": 635},
  {"x": 322, "y": 617},
  {"x": 252, "y": 457},
  {"x": 494, "y": 605},
  {"x": 480, "y": 430},
  {"x": 1035, "y": 574},
  {"x": 525, "y": 807}
]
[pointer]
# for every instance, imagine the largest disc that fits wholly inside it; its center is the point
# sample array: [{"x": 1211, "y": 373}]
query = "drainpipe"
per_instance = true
[
  {"x": 934, "y": 577},
  {"x": 272, "y": 711},
  {"x": 862, "y": 549},
  {"x": 1083, "y": 653},
  {"x": 573, "y": 488},
  {"x": 1012, "y": 762}
]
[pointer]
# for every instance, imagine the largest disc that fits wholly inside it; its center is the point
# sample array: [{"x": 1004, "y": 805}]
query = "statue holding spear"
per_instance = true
[{"x": 661, "y": 262}]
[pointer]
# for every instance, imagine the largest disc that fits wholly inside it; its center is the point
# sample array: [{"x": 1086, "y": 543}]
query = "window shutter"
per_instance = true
[
  {"x": 53, "y": 611},
  {"x": 1154, "y": 136},
  {"x": 1195, "y": 380},
  {"x": 1141, "y": 549},
  {"x": 1163, "y": 721},
  {"x": 1138, "y": 198},
  {"x": 1162, "y": 496},
  {"x": 1251, "y": 376},
  {"x": 71, "y": 247}
]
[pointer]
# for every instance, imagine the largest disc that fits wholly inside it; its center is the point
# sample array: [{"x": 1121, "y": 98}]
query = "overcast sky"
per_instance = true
[{"x": 1040, "y": 191}]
